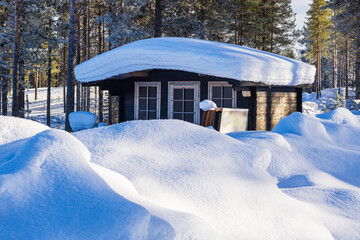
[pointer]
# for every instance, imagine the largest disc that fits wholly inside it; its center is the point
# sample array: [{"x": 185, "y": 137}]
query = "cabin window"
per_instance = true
[
  {"x": 184, "y": 101},
  {"x": 147, "y": 101},
  {"x": 223, "y": 94}
]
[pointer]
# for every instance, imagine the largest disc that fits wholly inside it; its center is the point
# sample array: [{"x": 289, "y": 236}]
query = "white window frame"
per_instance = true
[
  {"x": 196, "y": 86},
  {"x": 136, "y": 97},
  {"x": 225, "y": 84}
]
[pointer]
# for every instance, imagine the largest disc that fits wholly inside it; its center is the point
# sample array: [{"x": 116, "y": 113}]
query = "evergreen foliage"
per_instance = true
[
  {"x": 318, "y": 26},
  {"x": 331, "y": 37}
]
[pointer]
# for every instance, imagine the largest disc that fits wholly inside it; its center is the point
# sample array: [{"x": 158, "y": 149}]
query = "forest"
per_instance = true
[{"x": 42, "y": 41}]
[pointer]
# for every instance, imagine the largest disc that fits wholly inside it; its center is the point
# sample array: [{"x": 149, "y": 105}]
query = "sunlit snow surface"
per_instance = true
[
  {"x": 169, "y": 179},
  {"x": 198, "y": 56}
]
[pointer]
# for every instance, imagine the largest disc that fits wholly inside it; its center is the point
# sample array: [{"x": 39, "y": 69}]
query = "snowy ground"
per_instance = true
[
  {"x": 329, "y": 98},
  {"x": 168, "y": 179}
]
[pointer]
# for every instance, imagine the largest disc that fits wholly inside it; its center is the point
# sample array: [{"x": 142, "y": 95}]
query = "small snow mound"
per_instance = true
[
  {"x": 13, "y": 128},
  {"x": 302, "y": 125},
  {"x": 340, "y": 116},
  {"x": 207, "y": 105},
  {"x": 82, "y": 120}
]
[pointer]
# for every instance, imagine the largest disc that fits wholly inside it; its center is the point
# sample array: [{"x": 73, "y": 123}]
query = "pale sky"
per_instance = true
[{"x": 300, "y": 7}]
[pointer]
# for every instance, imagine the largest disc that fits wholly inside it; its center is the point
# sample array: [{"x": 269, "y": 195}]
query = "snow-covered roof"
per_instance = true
[{"x": 198, "y": 56}]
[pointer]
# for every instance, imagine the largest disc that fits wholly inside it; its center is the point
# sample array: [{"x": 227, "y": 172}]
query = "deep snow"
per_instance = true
[
  {"x": 216, "y": 179},
  {"x": 199, "y": 56},
  {"x": 48, "y": 190},
  {"x": 171, "y": 179}
]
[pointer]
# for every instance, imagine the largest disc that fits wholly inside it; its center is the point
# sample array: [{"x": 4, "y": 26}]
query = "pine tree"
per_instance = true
[{"x": 318, "y": 24}]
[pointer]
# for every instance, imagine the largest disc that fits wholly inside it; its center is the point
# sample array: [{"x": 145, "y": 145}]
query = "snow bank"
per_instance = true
[
  {"x": 193, "y": 174},
  {"x": 12, "y": 129},
  {"x": 317, "y": 160},
  {"x": 340, "y": 116},
  {"x": 199, "y": 56},
  {"x": 81, "y": 120},
  {"x": 49, "y": 191}
]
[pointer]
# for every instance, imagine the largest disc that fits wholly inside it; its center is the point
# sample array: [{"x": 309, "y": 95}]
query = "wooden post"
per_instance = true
[
  {"x": 253, "y": 108},
  {"x": 299, "y": 99},
  {"x": 110, "y": 110}
]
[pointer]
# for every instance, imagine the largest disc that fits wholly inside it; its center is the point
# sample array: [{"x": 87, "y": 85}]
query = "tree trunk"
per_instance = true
[
  {"x": 70, "y": 67},
  {"x": 340, "y": 74},
  {"x": 15, "y": 106},
  {"x": 4, "y": 89},
  {"x": 21, "y": 103},
  {"x": 335, "y": 66},
  {"x": 88, "y": 53},
  {"x": 318, "y": 70},
  {"x": 78, "y": 60},
  {"x": 64, "y": 76},
  {"x": 100, "y": 50},
  {"x": 36, "y": 82},
  {"x": 158, "y": 18},
  {"x": 357, "y": 71},
  {"x": 347, "y": 68},
  {"x": 48, "y": 98}
]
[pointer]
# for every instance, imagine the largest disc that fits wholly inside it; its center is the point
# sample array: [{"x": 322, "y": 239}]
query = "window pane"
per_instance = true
[
  {"x": 189, "y": 117},
  {"x": 178, "y": 106},
  {"x": 216, "y": 92},
  {"x": 177, "y": 116},
  {"x": 142, "y": 104},
  {"x": 142, "y": 115},
  {"x": 228, "y": 92},
  {"x": 189, "y": 94},
  {"x": 178, "y": 94},
  {"x": 152, "y": 104},
  {"x": 227, "y": 103},
  {"x": 189, "y": 106},
  {"x": 152, "y": 92},
  {"x": 143, "y": 92},
  {"x": 152, "y": 115},
  {"x": 217, "y": 102}
]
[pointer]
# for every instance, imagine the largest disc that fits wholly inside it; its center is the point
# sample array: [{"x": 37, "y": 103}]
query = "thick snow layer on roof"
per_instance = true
[{"x": 198, "y": 56}]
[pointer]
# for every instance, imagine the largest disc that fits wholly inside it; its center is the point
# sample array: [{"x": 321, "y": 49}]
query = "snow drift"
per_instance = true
[
  {"x": 198, "y": 56},
  {"x": 13, "y": 128},
  {"x": 316, "y": 159},
  {"x": 49, "y": 191},
  {"x": 218, "y": 181}
]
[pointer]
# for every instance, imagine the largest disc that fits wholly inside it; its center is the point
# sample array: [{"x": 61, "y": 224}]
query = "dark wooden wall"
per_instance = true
[{"x": 266, "y": 105}]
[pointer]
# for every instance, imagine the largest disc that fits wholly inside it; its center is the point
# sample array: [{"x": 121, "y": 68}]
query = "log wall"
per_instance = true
[{"x": 274, "y": 104}]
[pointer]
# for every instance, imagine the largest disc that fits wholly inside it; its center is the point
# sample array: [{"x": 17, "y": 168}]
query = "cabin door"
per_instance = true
[{"x": 183, "y": 101}]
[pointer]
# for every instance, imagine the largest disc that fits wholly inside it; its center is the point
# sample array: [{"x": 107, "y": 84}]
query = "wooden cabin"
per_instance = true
[{"x": 166, "y": 78}]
